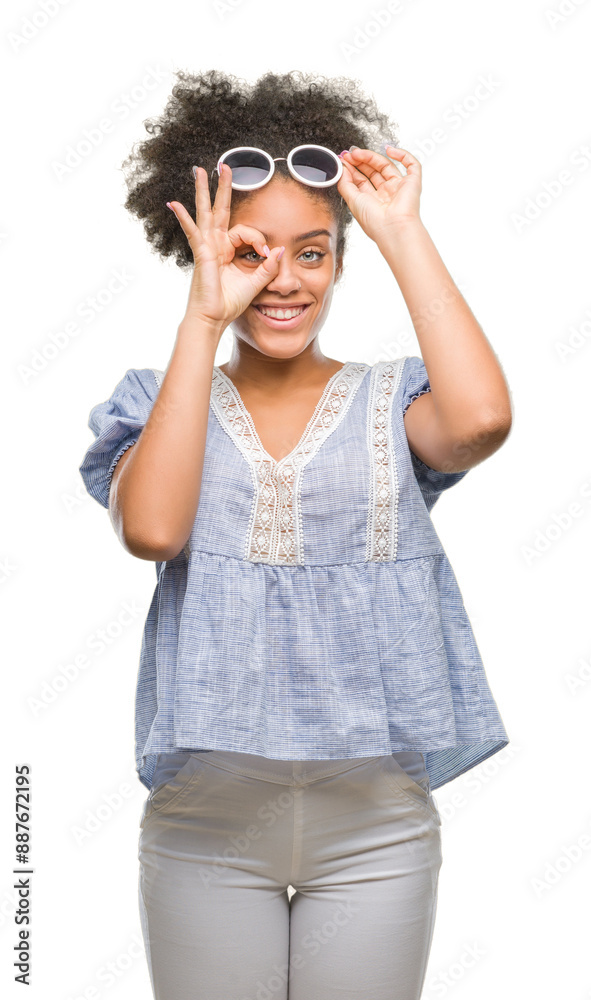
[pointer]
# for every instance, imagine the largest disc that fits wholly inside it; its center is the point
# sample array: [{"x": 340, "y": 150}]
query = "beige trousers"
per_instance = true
[{"x": 224, "y": 836}]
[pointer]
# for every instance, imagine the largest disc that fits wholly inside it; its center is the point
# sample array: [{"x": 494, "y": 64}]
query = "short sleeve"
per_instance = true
[
  {"x": 415, "y": 382},
  {"x": 117, "y": 424}
]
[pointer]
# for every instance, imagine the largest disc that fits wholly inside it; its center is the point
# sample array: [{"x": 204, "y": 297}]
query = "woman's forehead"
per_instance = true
[{"x": 300, "y": 222}]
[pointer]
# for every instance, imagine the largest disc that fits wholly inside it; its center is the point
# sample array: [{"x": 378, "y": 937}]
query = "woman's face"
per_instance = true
[{"x": 287, "y": 216}]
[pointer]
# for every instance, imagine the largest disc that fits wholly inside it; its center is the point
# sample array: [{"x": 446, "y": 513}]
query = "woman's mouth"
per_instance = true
[{"x": 282, "y": 319}]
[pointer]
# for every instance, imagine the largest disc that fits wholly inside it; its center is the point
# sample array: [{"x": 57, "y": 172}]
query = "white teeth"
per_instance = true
[{"x": 282, "y": 313}]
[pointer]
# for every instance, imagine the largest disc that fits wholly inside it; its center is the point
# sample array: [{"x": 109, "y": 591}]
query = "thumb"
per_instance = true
[{"x": 266, "y": 270}]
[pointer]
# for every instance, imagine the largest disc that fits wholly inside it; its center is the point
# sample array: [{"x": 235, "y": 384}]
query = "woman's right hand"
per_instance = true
[{"x": 221, "y": 290}]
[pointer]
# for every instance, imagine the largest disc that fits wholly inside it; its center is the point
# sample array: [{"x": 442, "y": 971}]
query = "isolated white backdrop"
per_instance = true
[{"x": 493, "y": 98}]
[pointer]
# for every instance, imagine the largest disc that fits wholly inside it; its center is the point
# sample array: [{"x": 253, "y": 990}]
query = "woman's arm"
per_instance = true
[
  {"x": 153, "y": 499},
  {"x": 155, "y": 485},
  {"x": 467, "y": 415}
]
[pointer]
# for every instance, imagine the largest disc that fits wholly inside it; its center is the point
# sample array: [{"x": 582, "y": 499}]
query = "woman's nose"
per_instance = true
[{"x": 285, "y": 279}]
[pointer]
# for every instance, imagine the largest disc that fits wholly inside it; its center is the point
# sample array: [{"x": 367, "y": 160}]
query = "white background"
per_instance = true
[{"x": 514, "y": 887}]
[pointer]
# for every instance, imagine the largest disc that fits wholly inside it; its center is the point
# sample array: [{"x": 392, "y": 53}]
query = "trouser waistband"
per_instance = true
[{"x": 287, "y": 771}]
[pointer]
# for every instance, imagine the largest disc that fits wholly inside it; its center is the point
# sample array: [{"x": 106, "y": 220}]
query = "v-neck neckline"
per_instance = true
[{"x": 249, "y": 419}]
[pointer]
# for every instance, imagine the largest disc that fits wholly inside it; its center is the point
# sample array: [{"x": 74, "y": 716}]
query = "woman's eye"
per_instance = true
[{"x": 319, "y": 255}]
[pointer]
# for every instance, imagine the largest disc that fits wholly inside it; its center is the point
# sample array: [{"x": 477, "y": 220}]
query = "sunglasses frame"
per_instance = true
[{"x": 292, "y": 170}]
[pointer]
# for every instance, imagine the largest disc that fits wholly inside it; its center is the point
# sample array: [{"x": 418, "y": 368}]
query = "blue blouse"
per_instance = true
[{"x": 313, "y": 613}]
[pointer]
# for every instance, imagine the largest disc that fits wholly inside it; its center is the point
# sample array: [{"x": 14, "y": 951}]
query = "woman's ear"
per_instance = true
[{"x": 338, "y": 269}]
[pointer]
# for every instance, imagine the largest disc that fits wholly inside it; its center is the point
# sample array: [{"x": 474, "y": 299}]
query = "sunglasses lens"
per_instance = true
[
  {"x": 248, "y": 166},
  {"x": 314, "y": 164}
]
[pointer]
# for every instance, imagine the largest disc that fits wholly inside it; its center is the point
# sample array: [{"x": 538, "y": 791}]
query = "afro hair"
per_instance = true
[{"x": 210, "y": 112}]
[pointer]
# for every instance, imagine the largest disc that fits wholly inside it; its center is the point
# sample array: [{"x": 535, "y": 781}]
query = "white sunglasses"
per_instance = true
[{"x": 251, "y": 167}]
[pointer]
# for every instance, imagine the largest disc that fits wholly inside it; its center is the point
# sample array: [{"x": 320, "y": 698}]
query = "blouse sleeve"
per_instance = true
[
  {"x": 432, "y": 482},
  {"x": 116, "y": 424}
]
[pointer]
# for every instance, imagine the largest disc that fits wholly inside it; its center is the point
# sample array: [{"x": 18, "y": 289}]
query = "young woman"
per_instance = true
[{"x": 308, "y": 672}]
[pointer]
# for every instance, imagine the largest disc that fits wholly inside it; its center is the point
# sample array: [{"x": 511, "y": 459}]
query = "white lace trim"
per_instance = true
[
  {"x": 382, "y": 514},
  {"x": 275, "y": 533}
]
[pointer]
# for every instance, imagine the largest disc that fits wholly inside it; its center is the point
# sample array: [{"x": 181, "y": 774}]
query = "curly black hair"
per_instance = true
[{"x": 213, "y": 111}]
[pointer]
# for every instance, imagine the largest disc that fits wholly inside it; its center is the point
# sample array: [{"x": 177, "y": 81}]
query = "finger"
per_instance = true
[
  {"x": 366, "y": 172},
  {"x": 358, "y": 178},
  {"x": 223, "y": 198},
  {"x": 350, "y": 181},
  {"x": 410, "y": 162},
  {"x": 266, "y": 270},
  {"x": 240, "y": 235},
  {"x": 376, "y": 167},
  {"x": 202, "y": 200},
  {"x": 188, "y": 226}
]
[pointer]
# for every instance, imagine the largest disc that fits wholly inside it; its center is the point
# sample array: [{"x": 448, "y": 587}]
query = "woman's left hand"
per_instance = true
[{"x": 379, "y": 196}]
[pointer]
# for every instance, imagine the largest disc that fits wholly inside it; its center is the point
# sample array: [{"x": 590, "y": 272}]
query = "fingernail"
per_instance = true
[
  {"x": 354, "y": 147},
  {"x": 342, "y": 152},
  {"x": 195, "y": 172},
  {"x": 267, "y": 251},
  {"x": 170, "y": 206},
  {"x": 280, "y": 255}
]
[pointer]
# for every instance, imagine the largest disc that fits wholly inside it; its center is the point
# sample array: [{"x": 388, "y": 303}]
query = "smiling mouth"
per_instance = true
[
  {"x": 288, "y": 312},
  {"x": 282, "y": 317}
]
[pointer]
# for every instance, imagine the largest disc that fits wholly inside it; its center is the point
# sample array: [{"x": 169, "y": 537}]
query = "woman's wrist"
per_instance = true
[{"x": 195, "y": 328}]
